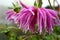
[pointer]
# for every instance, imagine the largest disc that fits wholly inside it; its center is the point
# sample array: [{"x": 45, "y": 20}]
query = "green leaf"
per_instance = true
[
  {"x": 13, "y": 5},
  {"x": 34, "y": 37},
  {"x": 20, "y": 38},
  {"x": 35, "y": 4},
  {"x": 12, "y": 36},
  {"x": 39, "y": 3},
  {"x": 17, "y": 9},
  {"x": 57, "y": 30},
  {"x": 3, "y": 28}
]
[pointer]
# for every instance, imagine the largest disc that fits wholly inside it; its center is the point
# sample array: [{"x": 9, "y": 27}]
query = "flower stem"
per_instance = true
[
  {"x": 50, "y": 3},
  {"x": 54, "y": 4}
]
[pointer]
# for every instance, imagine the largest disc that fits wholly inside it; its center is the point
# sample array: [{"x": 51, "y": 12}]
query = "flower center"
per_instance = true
[{"x": 35, "y": 11}]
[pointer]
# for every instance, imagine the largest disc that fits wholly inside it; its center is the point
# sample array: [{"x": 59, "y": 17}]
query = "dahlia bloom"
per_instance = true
[{"x": 28, "y": 17}]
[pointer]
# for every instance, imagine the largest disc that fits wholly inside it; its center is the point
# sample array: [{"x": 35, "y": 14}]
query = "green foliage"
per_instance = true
[
  {"x": 14, "y": 33},
  {"x": 38, "y": 4},
  {"x": 16, "y": 7},
  {"x": 35, "y": 4},
  {"x": 56, "y": 30}
]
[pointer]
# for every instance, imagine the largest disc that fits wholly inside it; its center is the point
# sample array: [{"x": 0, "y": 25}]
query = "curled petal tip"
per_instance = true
[{"x": 22, "y": 4}]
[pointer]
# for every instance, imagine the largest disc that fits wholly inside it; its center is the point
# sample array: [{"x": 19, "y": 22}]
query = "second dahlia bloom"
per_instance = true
[{"x": 28, "y": 17}]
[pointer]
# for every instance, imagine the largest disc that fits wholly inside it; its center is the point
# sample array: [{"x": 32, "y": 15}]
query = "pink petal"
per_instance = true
[
  {"x": 24, "y": 6},
  {"x": 39, "y": 21}
]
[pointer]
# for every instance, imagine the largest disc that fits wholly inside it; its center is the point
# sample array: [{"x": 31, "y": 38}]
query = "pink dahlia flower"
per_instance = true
[{"x": 28, "y": 17}]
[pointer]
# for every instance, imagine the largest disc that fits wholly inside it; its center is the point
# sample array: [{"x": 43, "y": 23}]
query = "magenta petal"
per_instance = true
[
  {"x": 24, "y": 21},
  {"x": 44, "y": 20},
  {"x": 32, "y": 23},
  {"x": 24, "y": 6},
  {"x": 48, "y": 13},
  {"x": 39, "y": 21},
  {"x": 55, "y": 14},
  {"x": 10, "y": 14},
  {"x": 49, "y": 21}
]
